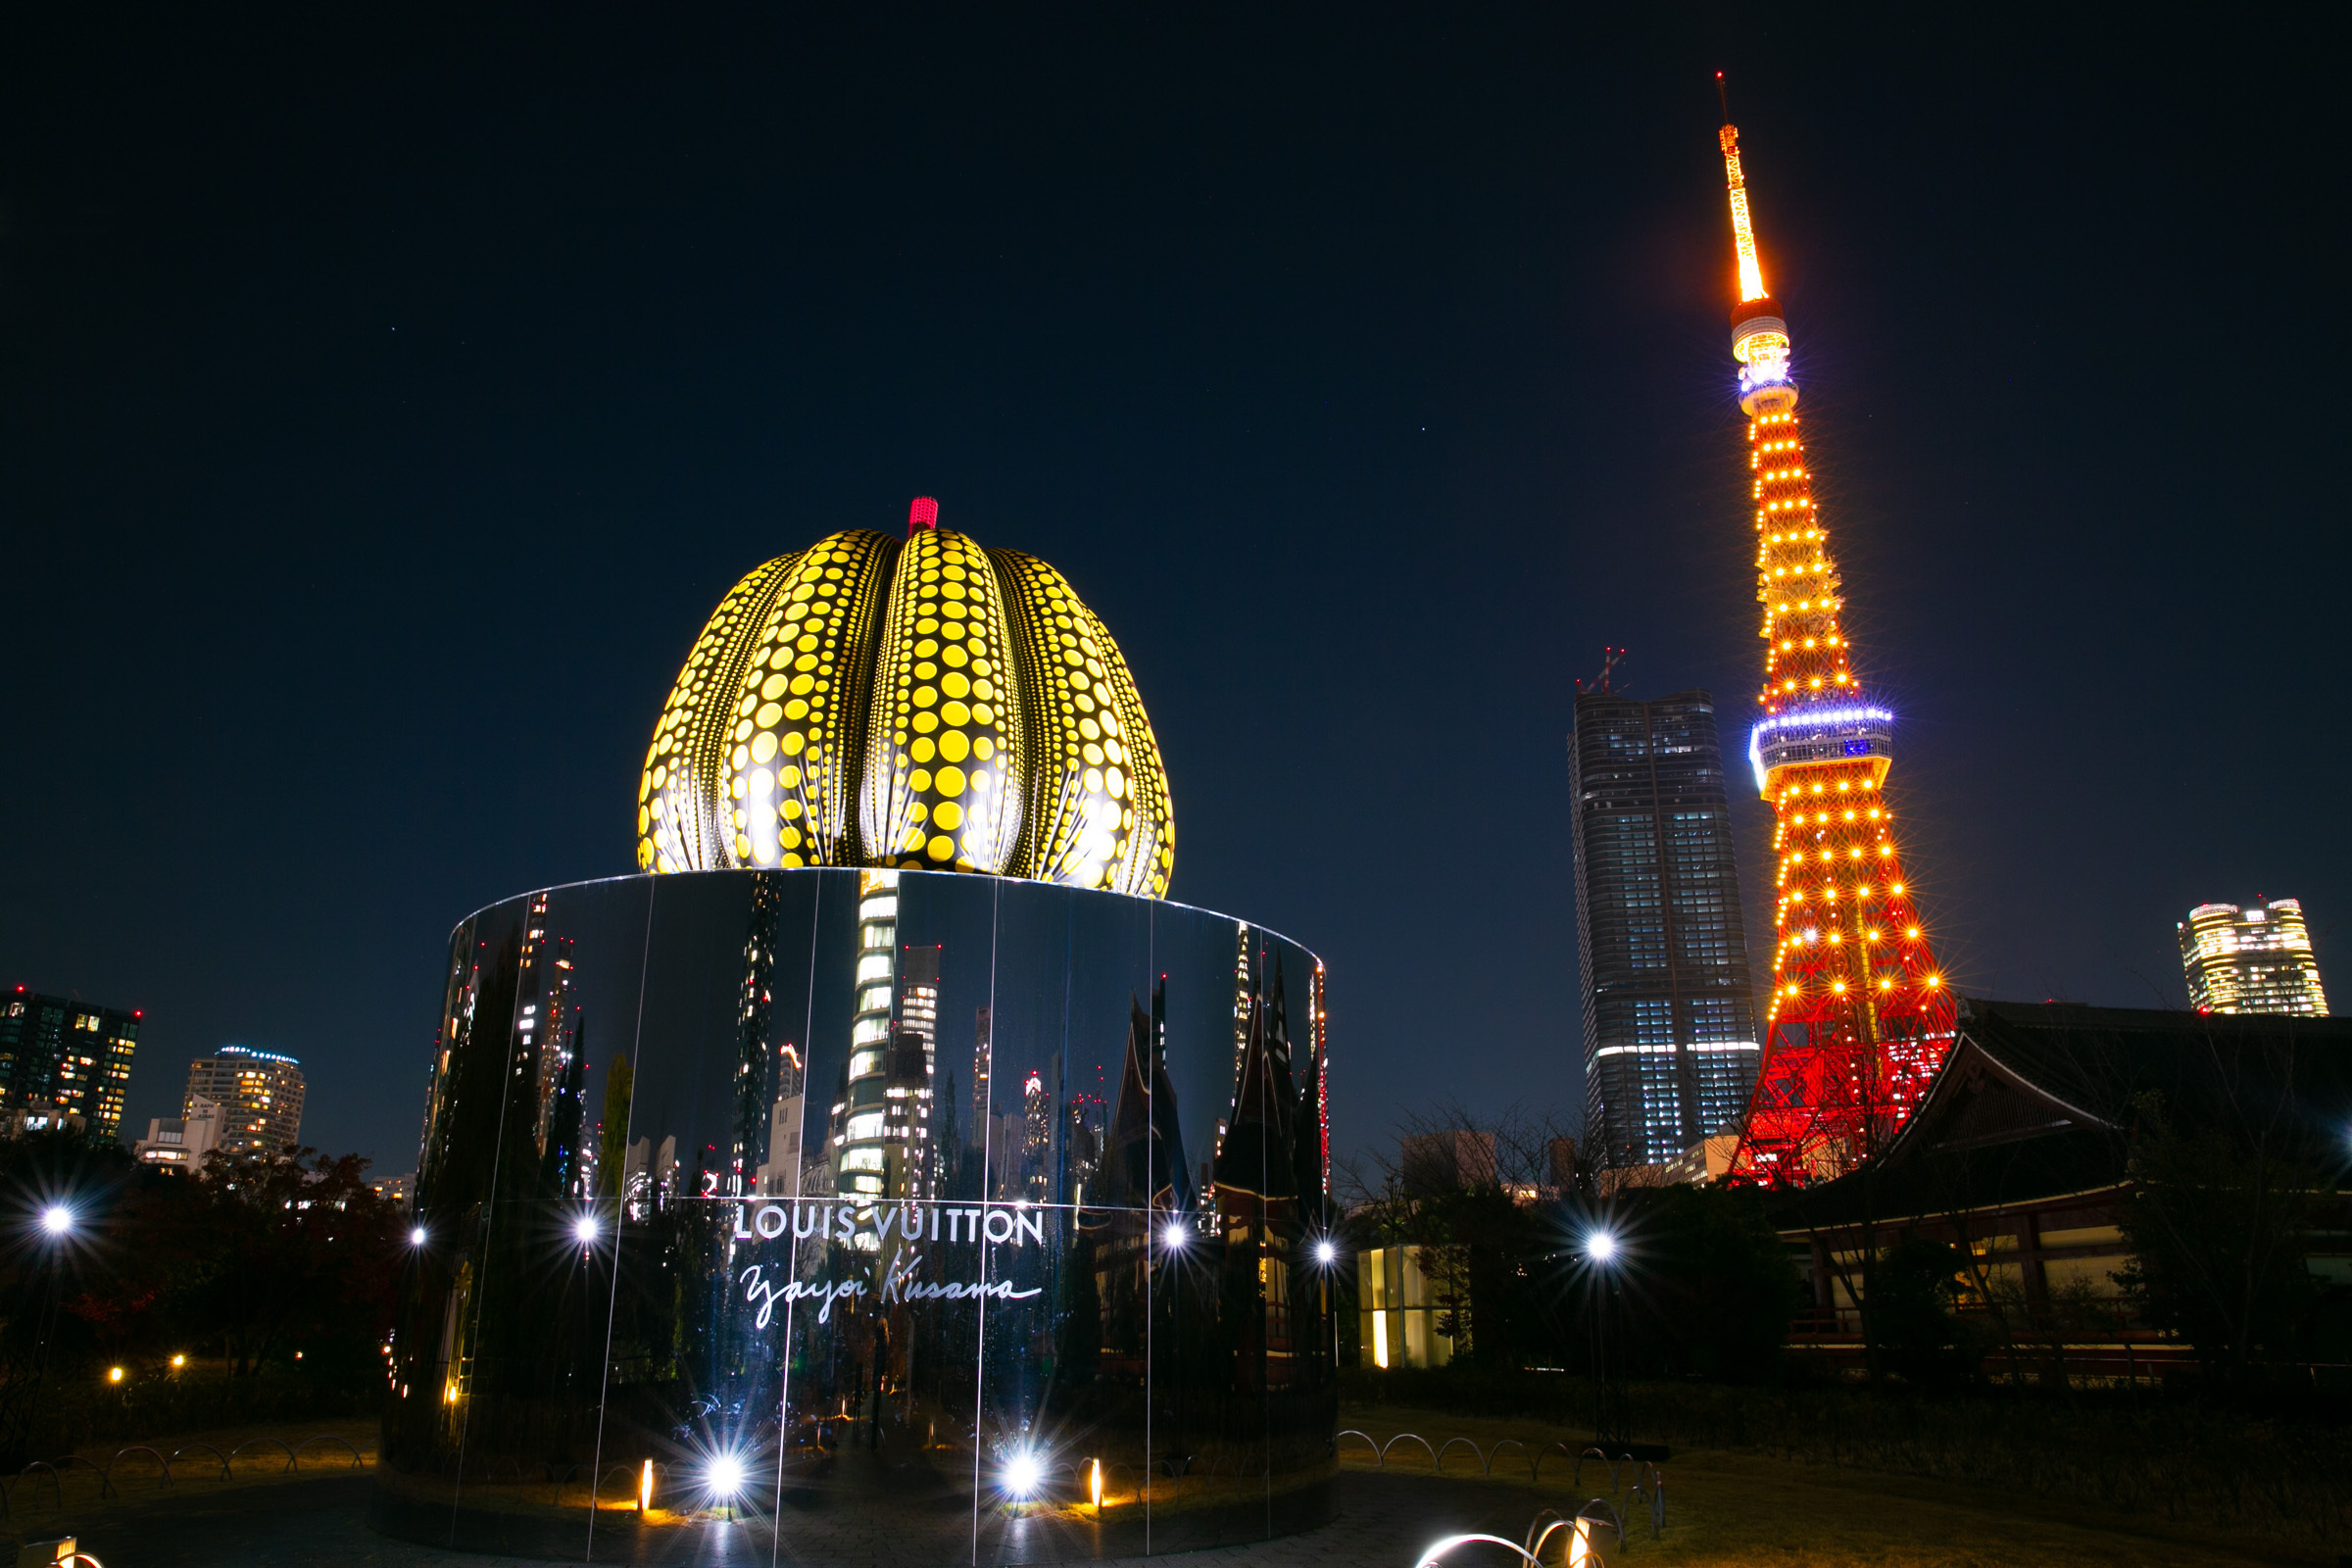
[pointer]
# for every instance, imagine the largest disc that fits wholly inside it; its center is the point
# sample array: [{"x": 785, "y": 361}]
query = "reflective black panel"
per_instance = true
[{"x": 786, "y": 1215}]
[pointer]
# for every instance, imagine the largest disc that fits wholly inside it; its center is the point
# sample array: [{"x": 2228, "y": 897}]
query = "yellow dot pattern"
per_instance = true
[
  {"x": 793, "y": 775},
  {"x": 944, "y": 758},
  {"x": 1097, "y": 793},
  {"x": 926, "y": 704},
  {"x": 684, "y": 821}
]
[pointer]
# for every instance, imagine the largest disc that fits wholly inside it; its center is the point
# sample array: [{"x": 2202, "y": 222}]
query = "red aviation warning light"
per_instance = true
[{"x": 1859, "y": 1017}]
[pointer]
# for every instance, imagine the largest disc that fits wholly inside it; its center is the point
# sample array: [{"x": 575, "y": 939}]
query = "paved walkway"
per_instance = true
[{"x": 1382, "y": 1520}]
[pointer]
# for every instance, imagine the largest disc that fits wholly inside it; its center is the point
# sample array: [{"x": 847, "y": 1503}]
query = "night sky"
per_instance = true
[{"x": 385, "y": 403}]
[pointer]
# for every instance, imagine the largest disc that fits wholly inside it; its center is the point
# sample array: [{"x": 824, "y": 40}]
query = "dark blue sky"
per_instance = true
[{"x": 384, "y": 404}]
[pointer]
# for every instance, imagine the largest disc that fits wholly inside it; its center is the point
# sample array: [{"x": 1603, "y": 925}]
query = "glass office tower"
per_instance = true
[
  {"x": 1670, "y": 1031},
  {"x": 2254, "y": 960}
]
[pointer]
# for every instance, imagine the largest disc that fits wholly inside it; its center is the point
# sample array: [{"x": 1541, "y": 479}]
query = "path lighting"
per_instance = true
[
  {"x": 180, "y": 1360},
  {"x": 57, "y": 1219},
  {"x": 416, "y": 1237},
  {"x": 1023, "y": 1474},
  {"x": 1600, "y": 1246},
  {"x": 645, "y": 1488},
  {"x": 114, "y": 1374},
  {"x": 725, "y": 1477}
]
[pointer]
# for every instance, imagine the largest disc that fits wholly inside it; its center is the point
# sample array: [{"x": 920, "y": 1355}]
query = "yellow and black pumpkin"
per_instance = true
[{"x": 920, "y": 703}]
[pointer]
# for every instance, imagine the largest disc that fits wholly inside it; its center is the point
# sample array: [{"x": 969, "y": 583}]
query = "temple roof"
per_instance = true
[{"x": 2038, "y": 1101}]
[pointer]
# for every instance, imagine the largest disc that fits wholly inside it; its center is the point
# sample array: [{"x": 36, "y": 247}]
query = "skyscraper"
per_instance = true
[
  {"x": 882, "y": 1146},
  {"x": 67, "y": 1057},
  {"x": 861, "y": 1144},
  {"x": 258, "y": 1092},
  {"x": 1670, "y": 1027},
  {"x": 2254, "y": 960},
  {"x": 1860, "y": 1018}
]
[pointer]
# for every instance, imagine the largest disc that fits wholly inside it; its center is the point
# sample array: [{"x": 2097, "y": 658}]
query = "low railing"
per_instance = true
[
  {"x": 1529, "y": 1550},
  {"x": 54, "y": 1470},
  {"x": 1639, "y": 1480}
]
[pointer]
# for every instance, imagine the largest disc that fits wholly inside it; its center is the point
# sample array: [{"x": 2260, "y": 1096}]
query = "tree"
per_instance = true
[
  {"x": 2216, "y": 1225},
  {"x": 261, "y": 1253}
]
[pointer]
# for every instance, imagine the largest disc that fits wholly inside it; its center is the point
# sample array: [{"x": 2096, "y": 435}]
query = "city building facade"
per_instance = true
[
  {"x": 258, "y": 1092},
  {"x": 180, "y": 1142},
  {"x": 59, "y": 1056},
  {"x": 1668, "y": 1015},
  {"x": 2257, "y": 958}
]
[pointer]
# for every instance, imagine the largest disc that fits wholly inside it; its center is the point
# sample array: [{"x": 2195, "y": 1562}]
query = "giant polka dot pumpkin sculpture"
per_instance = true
[{"x": 923, "y": 704}]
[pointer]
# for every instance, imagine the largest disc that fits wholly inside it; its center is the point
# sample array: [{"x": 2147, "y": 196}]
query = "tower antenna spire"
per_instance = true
[{"x": 1722, "y": 97}]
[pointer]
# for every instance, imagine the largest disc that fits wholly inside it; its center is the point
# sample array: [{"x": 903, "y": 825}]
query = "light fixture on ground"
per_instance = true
[
  {"x": 1023, "y": 1474},
  {"x": 724, "y": 1479}
]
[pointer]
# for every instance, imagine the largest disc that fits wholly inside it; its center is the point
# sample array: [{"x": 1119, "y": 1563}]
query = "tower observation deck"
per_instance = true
[{"x": 1858, "y": 1016}]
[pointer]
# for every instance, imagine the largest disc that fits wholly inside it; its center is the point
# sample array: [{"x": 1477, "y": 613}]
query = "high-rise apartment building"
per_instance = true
[
  {"x": 881, "y": 1128},
  {"x": 258, "y": 1092},
  {"x": 60, "y": 1056},
  {"x": 2252, "y": 960},
  {"x": 1670, "y": 1028}
]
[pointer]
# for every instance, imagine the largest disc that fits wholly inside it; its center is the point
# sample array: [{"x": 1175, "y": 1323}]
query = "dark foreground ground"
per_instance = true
[{"x": 1723, "y": 1511}]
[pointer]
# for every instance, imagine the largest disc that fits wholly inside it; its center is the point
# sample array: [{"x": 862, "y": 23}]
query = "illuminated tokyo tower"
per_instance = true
[{"x": 1860, "y": 1017}]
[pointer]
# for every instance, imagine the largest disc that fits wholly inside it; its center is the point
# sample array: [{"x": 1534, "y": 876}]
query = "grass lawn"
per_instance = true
[{"x": 1734, "y": 1510}]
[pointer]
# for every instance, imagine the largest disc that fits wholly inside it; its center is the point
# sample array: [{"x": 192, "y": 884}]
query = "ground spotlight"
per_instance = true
[
  {"x": 1600, "y": 1246},
  {"x": 57, "y": 1219},
  {"x": 1023, "y": 1474},
  {"x": 726, "y": 1476}
]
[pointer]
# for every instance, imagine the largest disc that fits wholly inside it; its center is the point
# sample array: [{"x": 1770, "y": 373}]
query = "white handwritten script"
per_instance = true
[{"x": 898, "y": 1285}]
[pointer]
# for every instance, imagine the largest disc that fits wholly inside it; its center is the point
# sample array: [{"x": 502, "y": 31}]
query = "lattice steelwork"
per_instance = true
[
  {"x": 919, "y": 704},
  {"x": 1859, "y": 1017}
]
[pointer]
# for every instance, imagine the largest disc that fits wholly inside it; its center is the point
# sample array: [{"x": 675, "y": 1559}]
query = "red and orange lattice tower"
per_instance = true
[{"x": 1860, "y": 1017}]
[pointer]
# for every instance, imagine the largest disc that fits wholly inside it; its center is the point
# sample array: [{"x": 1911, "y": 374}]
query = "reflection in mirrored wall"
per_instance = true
[{"x": 773, "y": 1216}]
